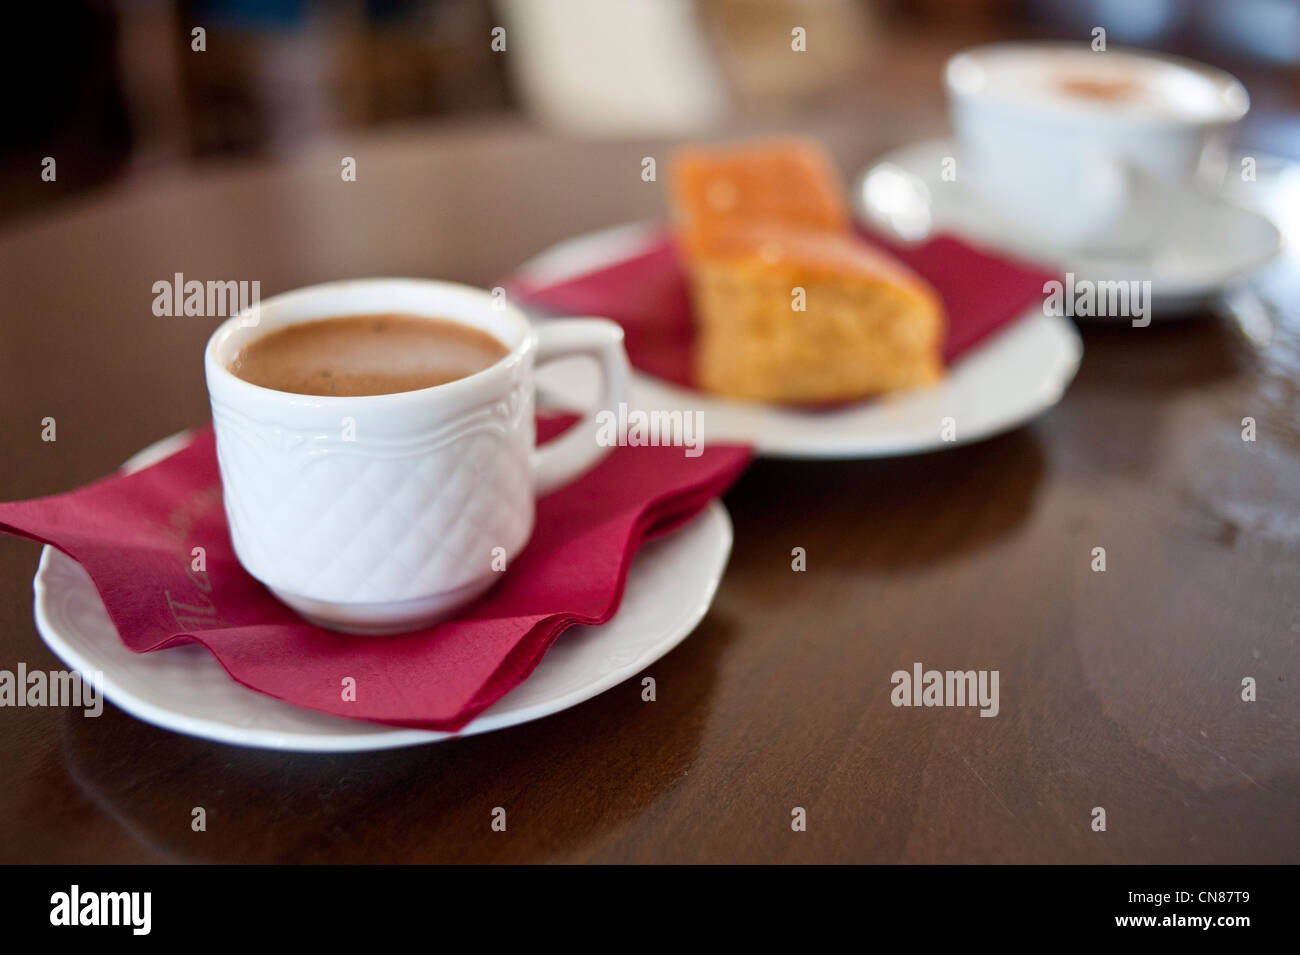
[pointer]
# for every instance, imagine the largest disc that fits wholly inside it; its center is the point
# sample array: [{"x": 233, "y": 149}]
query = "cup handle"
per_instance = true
[{"x": 562, "y": 459}]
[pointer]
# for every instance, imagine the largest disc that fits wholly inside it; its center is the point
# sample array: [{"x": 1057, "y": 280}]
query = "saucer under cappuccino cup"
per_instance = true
[
  {"x": 382, "y": 495},
  {"x": 1084, "y": 149}
]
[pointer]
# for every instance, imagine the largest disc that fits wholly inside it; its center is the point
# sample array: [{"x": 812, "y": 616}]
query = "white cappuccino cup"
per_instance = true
[{"x": 1089, "y": 150}]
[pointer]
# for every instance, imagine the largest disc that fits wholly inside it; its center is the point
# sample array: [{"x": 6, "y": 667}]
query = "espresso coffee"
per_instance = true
[{"x": 355, "y": 355}]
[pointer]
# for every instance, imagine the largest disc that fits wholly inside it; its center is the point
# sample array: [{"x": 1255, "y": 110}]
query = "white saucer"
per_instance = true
[
  {"x": 1213, "y": 244},
  {"x": 1011, "y": 377},
  {"x": 670, "y": 586}
]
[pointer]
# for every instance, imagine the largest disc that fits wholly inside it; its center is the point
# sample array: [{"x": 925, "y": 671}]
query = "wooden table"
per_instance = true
[{"x": 1119, "y": 689}]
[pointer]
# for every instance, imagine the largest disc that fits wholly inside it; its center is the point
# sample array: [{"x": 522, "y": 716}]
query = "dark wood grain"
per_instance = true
[{"x": 1119, "y": 690}]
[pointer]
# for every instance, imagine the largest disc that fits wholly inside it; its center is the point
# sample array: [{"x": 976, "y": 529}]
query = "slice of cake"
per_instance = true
[
  {"x": 789, "y": 305},
  {"x": 790, "y": 314},
  {"x": 791, "y": 182}
]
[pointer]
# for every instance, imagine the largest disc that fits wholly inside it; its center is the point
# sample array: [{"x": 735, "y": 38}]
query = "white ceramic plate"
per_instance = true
[
  {"x": 1008, "y": 379},
  {"x": 1213, "y": 243},
  {"x": 669, "y": 588}
]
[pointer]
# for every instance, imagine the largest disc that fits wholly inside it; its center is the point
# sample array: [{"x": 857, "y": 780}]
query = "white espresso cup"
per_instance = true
[
  {"x": 1084, "y": 149},
  {"x": 384, "y": 513}
]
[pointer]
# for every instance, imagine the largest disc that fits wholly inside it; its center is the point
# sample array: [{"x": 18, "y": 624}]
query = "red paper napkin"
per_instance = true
[
  {"x": 647, "y": 294},
  {"x": 134, "y": 535}
]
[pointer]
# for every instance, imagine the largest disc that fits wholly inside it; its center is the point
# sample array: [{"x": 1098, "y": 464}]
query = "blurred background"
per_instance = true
[{"x": 120, "y": 89}]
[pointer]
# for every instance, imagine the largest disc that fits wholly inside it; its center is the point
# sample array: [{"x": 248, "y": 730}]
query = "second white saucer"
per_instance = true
[
  {"x": 1214, "y": 243},
  {"x": 1014, "y": 375}
]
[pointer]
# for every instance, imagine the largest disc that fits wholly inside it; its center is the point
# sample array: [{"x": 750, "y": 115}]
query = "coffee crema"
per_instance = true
[
  {"x": 355, "y": 355},
  {"x": 1101, "y": 90}
]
